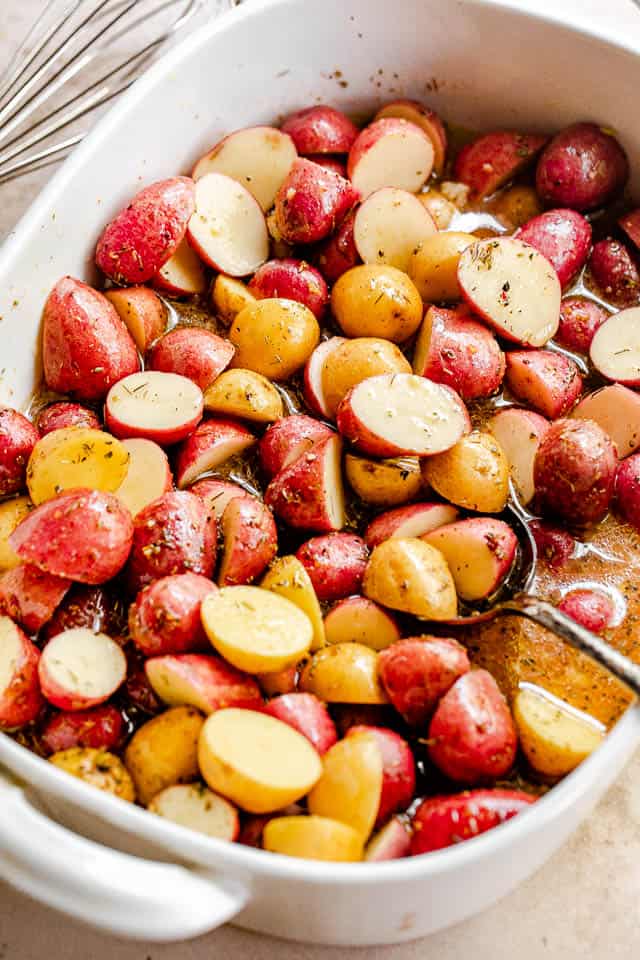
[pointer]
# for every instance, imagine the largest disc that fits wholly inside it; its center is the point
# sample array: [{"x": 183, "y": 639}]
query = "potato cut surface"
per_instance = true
[
  {"x": 315, "y": 838},
  {"x": 615, "y": 348},
  {"x": 198, "y": 808},
  {"x": 75, "y": 457},
  {"x": 351, "y": 783},
  {"x": 288, "y": 578},
  {"x": 554, "y": 736}
]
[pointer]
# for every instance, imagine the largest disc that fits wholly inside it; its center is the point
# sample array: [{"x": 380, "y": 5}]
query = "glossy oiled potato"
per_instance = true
[
  {"x": 12, "y": 512},
  {"x": 441, "y": 209},
  {"x": 274, "y": 337},
  {"x": 350, "y": 787},
  {"x": 343, "y": 673},
  {"x": 244, "y": 394},
  {"x": 473, "y": 474},
  {"x": 434, "y": 265},
  {"x": 384, "y": 483},
  {"x": 314, "y": 838},
  {"x": 288, "y": 577},
  {"x": 75, "y": 457},
  {"x": 99, "y": 768},
  {"x": 229, "y": 296},
  {"x": 164, "y": 751},
  {"x": 354, "y": 361},
  {"x": 409, "y": 575},
  {"x": 375, "y": 300},
  {"x": 554, "y": 737}
]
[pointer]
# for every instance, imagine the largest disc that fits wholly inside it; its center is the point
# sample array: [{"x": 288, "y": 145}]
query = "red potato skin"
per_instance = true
[
  {"x": 312, "y": 202},
  {"x": 336, "y": 164},
  {"x": 288, "y": 439},
  {"x": 147, "y": 232},
  {"x": 224, "y": 685},
  {"x": 554, "y": 546},
  {"x": 297, "y": 495},
  {"x": 165, "y": 617},
  {"x": 30, "y": 597},
  {"x": 57, "y": 416},
  {"x": 143, "y": 309},
  {"x": 84, "y": 606},
  {"x": 101, "y": 728},
  {"x": 398, "y": 771},
  {"x": 375, "y": 131},
  {"x": 139, "y": 692},
  {"x": 563, "y": 237},
  {"x": 547, "y": 381},
  {"x": 306, "y": 714},
  {"x": 320, "y": 129},
  {"x": 294, "y": 280},
  {"x": 385, "y": 525},
  {"x": 574, "y": 471},
  {"x": 429, "y": 122},
  {"x": 630, "y": 223},
  {"x": 392, "y": 843},
  {"x": 83, "y": 535},
  {"x": 18, "y": 436},
  {"x": 489, "y": 162},
  {"x": 250, "y": 541},
  {"x": 417, "y": 672},
  {"x": 86, "y": 347},
  {"x": 615, "y": 273},
  {"x": 209, "y": 435},
  {"x": 441, "y": 822},
  {"x": 335, "y": 563},
  {"x": 216, "y": 494},
  {"x": 21, "y": 701},
  {"x": 462, "y": 355},
  {"x": 338, "y": 253},
  {"x": 582, "y": 167},
  {"x": 579, "y": 320},
  {"x": 174, "y": 534},
  {"x": 628, "y": 490},
  {"x": 590, "y": 608},
  {"x": 472, "y": 736},
  {"x": 192, "y": 352}
]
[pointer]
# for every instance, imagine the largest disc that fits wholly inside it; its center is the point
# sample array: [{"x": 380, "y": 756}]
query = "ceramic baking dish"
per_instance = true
[{"x": 479, "y": 63}]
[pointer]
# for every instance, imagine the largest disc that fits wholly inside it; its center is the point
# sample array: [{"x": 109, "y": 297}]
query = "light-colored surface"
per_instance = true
[{"x": 582, "y": 904}]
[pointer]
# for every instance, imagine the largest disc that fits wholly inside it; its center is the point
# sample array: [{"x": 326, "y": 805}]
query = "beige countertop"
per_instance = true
[{"x": 583, "y": 903}]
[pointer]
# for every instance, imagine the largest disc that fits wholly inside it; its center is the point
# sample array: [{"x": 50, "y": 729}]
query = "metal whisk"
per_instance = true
[{"x": 79, "y": 55}]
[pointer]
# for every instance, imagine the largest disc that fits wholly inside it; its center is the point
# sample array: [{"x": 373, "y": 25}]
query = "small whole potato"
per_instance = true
[
  {"x": 384, "y": 483},
  {"x": 375, "y": 300},
  {"x": 343, "y": 673},
  {"x": 412, "y": 576},
  {"x": 473, "y": 474},
  {"x": 164, "y": 751},
  {"x": 354, "y": 361},
  {"x": 244, "y": 394},
  {"x": 274, "y": 337},
  {"x": 433, "y": 266}
]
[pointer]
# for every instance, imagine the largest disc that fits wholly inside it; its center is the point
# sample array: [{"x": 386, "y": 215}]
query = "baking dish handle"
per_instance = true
[{"x": 110, "y": 890}]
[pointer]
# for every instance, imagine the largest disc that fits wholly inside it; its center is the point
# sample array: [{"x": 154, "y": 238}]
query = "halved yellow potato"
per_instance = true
[
  {"x": 244, "y": 394},
  {"x": 258, "y": 762},
  {"x": 256, "y": 630},
  {"x": 350, "y": 787},
  {"x": 314, "y": 838},
  {"x": 12, "y": 512},
  {"x": 99, "y": 768},
  {"x": 194, "y": 806},
  {"x": 75, "y": 457},
  {"x": 288, "y": 578},
  {"x": 384, "y": 483},
  {"x": 229, "y": 296},
  {"x": 343, "y": 673},
  {"x": 409, "y": 575},
  {"x": 554, "y": 736},
  {"x": 164, "y": 751},
  {"x": 473, "y": 474}
]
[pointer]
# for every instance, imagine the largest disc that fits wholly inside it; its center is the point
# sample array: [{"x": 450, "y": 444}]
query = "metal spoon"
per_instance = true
[{"x": 518, "y": 601}]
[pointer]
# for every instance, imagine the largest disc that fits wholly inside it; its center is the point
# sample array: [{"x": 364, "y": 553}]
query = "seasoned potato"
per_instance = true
[
  {"x": 274, "y": 337},
  {"x": 343, "y": 673},
  {"x": 99, "y": 768},
  {"x": 192, "y": 805},
  {"x": 441, "y": 209},
  {"x": 375, "y": 300},
  {"x": 229, "y": 296},
  {"x": 164, "y": 751},
  {"x": 433, "y": 266},
  {"x": 245, "y": 394},
  {"x": 314, "y": 838},
  {"x": 384, "y": 483},
  {"x": 350, "y": 787},
  {"x": 288, "y": 577},
  {"x": 473, "y": 474},
  {"x": 412, "y": 576},
  {"x": 517, "y": 205},
  {"x": 12, "y": 512},
  {"x": 354, "y": 361},
  {"x": 554, "y": 736},
  {"x": 75, "y": 457}
]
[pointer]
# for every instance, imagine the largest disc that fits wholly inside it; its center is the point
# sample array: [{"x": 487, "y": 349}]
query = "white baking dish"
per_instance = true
[{"x": 479, "y": 64}]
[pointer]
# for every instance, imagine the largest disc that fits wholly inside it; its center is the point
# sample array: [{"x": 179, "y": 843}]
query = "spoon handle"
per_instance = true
[{"x": 546, "y": 615}]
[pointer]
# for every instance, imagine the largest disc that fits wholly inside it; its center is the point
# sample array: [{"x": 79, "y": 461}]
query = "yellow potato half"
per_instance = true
[
  {"x": 351, "y": 783},
  {"x": 288, "y": 578},
  {"x": 473, "y": 474},
  {"x": 554, "y": 736},
  {"x": 412, "y": 576},
  {"x": 99, "y": 768},
  {"x": 12, "y": 512},
  {"x": 313, "y": 838},
  {"x": 244, "y": 394},
  {"x": 164, "y": 751},
  {"x": 343, "y": 673},
  {"x": 75, "y": 457}
]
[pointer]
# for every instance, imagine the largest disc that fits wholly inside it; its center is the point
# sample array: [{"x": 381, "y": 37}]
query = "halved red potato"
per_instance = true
[
  {"x": 335, "y": 563},
  {"x": 398, "y": 770},
  {"x": 391, "y": 152},
  {"x": 389, "y": 224},
  {"x": 228, "y": 297},
  {"x": 582, "y": 167},
  {"x": 615, "y": 348},
  {"x": 211, "y": 444},
  {"x": 337, "y": 254},
  {"x": 57, "y": 416},
  {"x": 454, "y": 349},
  {"x": 360, "y": 620},
  {"x": 392, "y": 842},
  {"x": 555, "y": 546},
  {"x": 148, "y": 475},
  {"x": 343, "y": 673},
  {"x": 411, "y": 576},
  {"x": 165, "y": 617},
  {"x": 288, "y": 577},
  {"x": 30, "y": 596},
  {"x": 513, "y": 287},
  {"x": 313, "y": 838},
  {"x": 413, "y": 520},
  {"x": 547, "y": 381},
  {"x": 474, "y": 474},
  {"x": 416, "y": 113},
  {"x": 183, "y": 274},
  {"x": 79, "y": 669},
  {"x": 353, "y": 361},
  {"x": 579, "y": 320},
  {"x": 519, "y": 433},
  {"x": 75, "y": 457},
  {"x": 479, "y": 552},
  {"x": 493, "y": 159},
  {"x": 101, "y": 728},
  {"x": 20, "y": 696},
  {"x": 244, "y": 394},
  {"x": 217, "y": 494},
  {"x": 628, "y": 490},
  {"x": 142, "y": 312},
  {"x": 309, "y": 494},
  {"x": 85, "y": 606},
  {"x": 192, "y": 352},
  {"x": 311, "y": 202},
  {"x": 563, "y": 237},
  {"x": 446, "y": 820},
  {"x": 350, "y": 787},
  {"x": 615, "y": 273},
  {"x": 195, "y": 807},
  {"x": 82, "y": 535},
  {"x": 630, "y": 223},
  {"x": 164, "y": 407},
  {"x": 146, "y": 232},
  {"x": 320, "y": 129},
  {"x": 202, "y": 681},
  {"x": 86, "y": 347},
  {"x": 257, "y": 157},
  {"x": 288, "y": 439},
  {"x": 228, "y": 229},
  {"x": 174, "y": 534},
  {"x": 384, "y": 483},
  {"x": 250, "y": 541},
  {"x": 11, "y": 513},
  {"x": 306, "y": 714},
  {"x": 314, "y": 394},
  {"x": 401, "y": 413},
  {"x": 18, "y": 437},
  {"x": 292, "y": 279},
  {"x": 617, "y": 410},
  {"x": 417, "y": 672}
]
